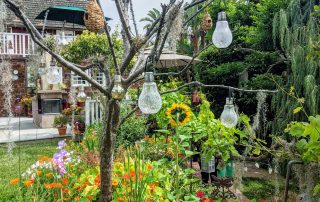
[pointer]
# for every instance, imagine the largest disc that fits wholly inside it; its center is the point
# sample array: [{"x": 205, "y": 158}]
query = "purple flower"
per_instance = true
[
  {"x": 61, "y": 144},
  {"x": 61, "y": 158}
]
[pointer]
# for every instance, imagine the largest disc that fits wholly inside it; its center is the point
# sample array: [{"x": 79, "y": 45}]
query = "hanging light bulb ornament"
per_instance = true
[
  {"x": 117, "y": 92},
  {"x": 229, "y": 117},
  {"x": 222, "y": 35},
  {"x": 53, "y": 74},
  {"x": 81, "y": 97},
  {"x": 149, "y": 100}
]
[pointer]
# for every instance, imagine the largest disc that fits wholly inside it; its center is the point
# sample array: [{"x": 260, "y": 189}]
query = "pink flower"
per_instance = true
[{"x": 200, "y": 194}]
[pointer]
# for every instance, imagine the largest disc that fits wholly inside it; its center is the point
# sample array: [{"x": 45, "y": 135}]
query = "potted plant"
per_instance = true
[
  {"x": 79, "y": 125},
  {"x": 26, "y": 101},
  {"x": 60, "y": 122}
]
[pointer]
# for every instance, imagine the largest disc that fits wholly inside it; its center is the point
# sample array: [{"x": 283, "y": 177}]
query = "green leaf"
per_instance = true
[
  {"x": 296, "y": 129},
  {"x": 301, "y": 145},
  {"x": 163, "y": 131},
  {"x": 184, "y": 137},
  {"x": 256, "y": 151},
  {"x": 297, "y": 110},
  {"x": 190, "y": 153}
]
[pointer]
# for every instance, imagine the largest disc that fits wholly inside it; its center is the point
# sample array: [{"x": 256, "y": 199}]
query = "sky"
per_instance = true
[{"x": 141, "y": 8}]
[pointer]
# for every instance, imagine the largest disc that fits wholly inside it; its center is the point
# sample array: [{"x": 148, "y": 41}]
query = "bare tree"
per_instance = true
[{"x": 158, "y": 31}]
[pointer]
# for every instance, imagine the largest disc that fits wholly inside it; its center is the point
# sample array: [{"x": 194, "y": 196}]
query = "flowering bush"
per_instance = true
[{"x": 26, "y": 101}]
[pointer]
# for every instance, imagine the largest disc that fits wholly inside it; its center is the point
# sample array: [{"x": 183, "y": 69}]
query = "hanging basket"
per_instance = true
[
  {"x": 93, "y": 18},
  {"x": 206, "y": 22}
]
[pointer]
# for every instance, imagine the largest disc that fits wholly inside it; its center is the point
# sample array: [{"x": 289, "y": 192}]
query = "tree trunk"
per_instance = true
[{"x": 112, "y": 120}]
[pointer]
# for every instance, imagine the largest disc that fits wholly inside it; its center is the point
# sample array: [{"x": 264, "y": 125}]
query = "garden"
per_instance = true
[{"x": 235, "y": 116}]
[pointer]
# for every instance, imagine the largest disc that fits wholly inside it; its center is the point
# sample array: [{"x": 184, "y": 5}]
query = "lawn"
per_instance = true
[{"x": 9, "y": 166}]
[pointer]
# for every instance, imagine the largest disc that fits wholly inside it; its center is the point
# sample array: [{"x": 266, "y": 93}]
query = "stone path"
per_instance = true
[{"x": 28, "y": 130}]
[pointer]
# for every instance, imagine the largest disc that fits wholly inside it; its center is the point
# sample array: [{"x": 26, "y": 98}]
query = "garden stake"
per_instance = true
[{"x": 289, "y": 165}]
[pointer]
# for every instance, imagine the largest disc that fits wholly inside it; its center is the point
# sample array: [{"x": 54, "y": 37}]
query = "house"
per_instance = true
[{"x": 17, "y": 47}]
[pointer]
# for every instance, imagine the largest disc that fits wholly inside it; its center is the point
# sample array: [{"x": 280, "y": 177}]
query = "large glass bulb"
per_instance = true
[
  {"x": 222, "y": 35},
  {"x": 81, "y": 97},
  {"x": 53, "y": 75},
  {"x": 117, "y": 91},
  {"x": 229, "y": 117},
  {"x": 63, "y": 39},
  {"x": 149, "y": 100}
]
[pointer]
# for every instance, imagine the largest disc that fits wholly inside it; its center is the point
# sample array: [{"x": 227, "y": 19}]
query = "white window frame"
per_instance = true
[
  {"x": 75, "y": 77},
  {"x": 79, "y": 80}
]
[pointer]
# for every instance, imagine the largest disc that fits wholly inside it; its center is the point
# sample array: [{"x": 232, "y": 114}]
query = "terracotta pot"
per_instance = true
[{"x": 62, "y": 130}]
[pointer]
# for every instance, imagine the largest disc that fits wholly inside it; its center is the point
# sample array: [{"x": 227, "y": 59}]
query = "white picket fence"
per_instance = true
[{"x": 93, "y": 111}]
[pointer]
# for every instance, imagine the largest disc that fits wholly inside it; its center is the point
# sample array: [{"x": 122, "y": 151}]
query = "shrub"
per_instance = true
[
  {"x": 60, "y": 121},
  {"x": 132, "y": 130}
]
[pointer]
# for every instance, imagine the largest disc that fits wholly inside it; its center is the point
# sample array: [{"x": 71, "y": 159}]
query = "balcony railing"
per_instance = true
[
  {"x": 21, "y": 44},
  {"x": 16, "y": 44}
]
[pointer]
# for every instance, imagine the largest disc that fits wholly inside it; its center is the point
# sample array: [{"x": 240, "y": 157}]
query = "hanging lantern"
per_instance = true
[
  {"x": 53, "y": 74},
  {"x": 222, "y": 35},
  {"x": 206, "y": 22},
  {"x": 150, "y": 101},
  {"x": 93, "y": 18},
  {"x": 81, "y": 97},
  {"x": 229, "y": 117},
  {"x": 117, "y": 92}
]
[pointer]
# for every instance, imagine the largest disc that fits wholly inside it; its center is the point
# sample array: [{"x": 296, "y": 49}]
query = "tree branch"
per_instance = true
[
  {"x": 193, "y": 4},
  {"x": 128, "y": 115},
  {"x": 37, "y": 38},
  {"x": 133, "y": 18},
  {"x": 197, "y": 83},
  {"x": 111, "y": 45},
  {"x": 125, "y": 26},
  {"x": 197, "y": 13}
]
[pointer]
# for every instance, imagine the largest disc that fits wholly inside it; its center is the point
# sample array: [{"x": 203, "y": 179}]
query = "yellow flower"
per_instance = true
[
  {"x": 184, "y": 113},
  {"x": 115, "y": 182}
]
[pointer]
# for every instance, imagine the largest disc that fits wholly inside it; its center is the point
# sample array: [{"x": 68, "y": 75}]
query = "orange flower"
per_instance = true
[
  {"x": 28, "y": 183},
  {"x": 77, "y": 198},
  {"x": 43, "y": 159},
  {"x": 97, "y": 180},
  {"x": 57, "y": 185},
  {"x": 79, "y": 188},
  {"x": 115, "y": 182},
  {"x": 48, "y": 186},
  {"x": 39, "y": 172},
  {"x": 53, "y": 185},
  {"x": 65, "y": 181},
  {"x": 132, "y": 173},
  {"x": 48, "y": 175},
  {"x": 149, "y": 167},
  {"x": 90, "y": 198},
  {"x": 64, "y": 190},
  {"x": 152, "y": 187},
  {"x": 14, "y": 181},
  {"x": 126, "y": 177}
]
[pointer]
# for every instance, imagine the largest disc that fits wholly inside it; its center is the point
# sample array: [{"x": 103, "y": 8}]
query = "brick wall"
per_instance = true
[{"x": 19, "y": 86}]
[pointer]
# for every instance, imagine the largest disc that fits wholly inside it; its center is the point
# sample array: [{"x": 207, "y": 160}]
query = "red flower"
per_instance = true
[{"x": 200, "y": 194}]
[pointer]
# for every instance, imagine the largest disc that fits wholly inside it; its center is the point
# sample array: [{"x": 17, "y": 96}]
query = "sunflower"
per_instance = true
[{"x": 184, "y": 116}]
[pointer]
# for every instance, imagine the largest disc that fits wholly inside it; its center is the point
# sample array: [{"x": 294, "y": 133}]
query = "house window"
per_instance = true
[
  {"x": 99, "y": 77},
  {"x": 51, "y": 106},
  {"x": 69, "y": 35},
  {"x": 79, "y": 81}
]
